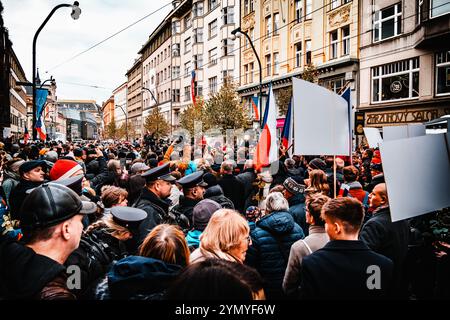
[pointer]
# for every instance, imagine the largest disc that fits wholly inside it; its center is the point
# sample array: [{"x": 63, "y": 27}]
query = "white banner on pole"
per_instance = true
[
  {"x": 402, "y": 132},
  {"x": 373, "y": 137},
  {"x": 417, "y": 175},
  {"x": 320, "y": 120}
]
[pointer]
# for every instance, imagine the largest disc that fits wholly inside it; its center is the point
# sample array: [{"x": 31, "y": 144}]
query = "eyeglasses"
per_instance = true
[{"x": 249, "y": 239}]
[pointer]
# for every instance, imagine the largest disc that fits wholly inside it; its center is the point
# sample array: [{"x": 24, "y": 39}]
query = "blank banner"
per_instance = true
[{"x": 417, "y": 174}]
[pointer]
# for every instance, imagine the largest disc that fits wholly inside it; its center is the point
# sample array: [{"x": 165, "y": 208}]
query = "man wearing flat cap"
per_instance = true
[
  {"x": 193, "y": 191},
  {"x": 32, "y": 175},
  {"x": 294, "y": 193},
  {"x": 153, "y": 199},
  {"x": 34, "y": 268}
]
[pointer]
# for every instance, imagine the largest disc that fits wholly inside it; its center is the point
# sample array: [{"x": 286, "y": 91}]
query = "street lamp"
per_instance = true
[
  {"x": 126, "y": 119},
  {"x": 156, "y": 101},
  {"x": 236, "y": 33},
  {"x": 76, "y": 11}
]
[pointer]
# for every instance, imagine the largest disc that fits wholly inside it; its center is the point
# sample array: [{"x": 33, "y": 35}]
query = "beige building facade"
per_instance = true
[
  {"x": 405, "y": 61},
  {"x": 134, "y": 97}
]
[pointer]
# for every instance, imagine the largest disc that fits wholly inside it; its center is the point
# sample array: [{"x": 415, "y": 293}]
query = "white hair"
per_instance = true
[{"x": 276, "y": 202}]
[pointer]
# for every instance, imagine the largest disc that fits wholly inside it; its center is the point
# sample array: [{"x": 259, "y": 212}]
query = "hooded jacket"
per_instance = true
[
  {"x": 297, "y": 210},
  {"x": 18, "y": 195},
  {"x": 24, "y": 274},
  {"x": 138, "y": 278},
  {"x": 215, "y": 193},
  {"x": 269, "y": 253}
]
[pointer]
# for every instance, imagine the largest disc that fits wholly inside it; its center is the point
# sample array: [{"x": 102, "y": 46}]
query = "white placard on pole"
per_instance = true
[
  {"x": 417, "y": 174},
  {"x": 373, "y": 137},
  {"x": 320, "y": 120},
  {"x": 402, "y": 132}
]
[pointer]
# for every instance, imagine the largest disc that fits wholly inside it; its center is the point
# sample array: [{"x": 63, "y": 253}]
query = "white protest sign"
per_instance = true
[
  {"x": 320, "y": 120},
  {"x": 417, "y": 175},
  {"x": 373, "y": 137},
  {"x": 402, "y": 132}
]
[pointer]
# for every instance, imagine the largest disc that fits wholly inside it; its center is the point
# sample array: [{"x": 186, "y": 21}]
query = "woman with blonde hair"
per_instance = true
[
  {"x": 317, "y": 183},
  {"x": 227, "y": 237},
  {"x": 162, "y": 255}
]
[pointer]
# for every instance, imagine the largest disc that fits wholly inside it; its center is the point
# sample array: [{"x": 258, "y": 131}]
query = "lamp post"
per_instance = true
[
  {"x": 156, "y": 101},
  {"x": 76, "y": 11},
  {"x": 237, "y": 33},
  {"x": 126, "y": 119}
]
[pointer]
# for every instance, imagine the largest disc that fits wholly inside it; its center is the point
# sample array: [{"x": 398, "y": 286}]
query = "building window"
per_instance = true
[
  {"x": 198, "y": 35},
  {"x": 246, "y": 74},
  {"x": 298, "y": 55},
  {"x": 246, "y": 7},
  {"x": 443, "y": 73},
  {"x": 212, "y": 29},
  {"x": 175, "y": 72},
  {"x": 251, "y": 34},
  {"x": 276, "y": 63},
  {"x": 197, "y": 9},
  {"x": 334, "y": 4},
  {"x": 228, "y": 15},
  {"x": 251, "y": 67},
  {"x": 212, "y": 56},
  {"x": 227, "y": 46},
  {"x": 187, "y": 45},
  {"x": 227, "y": 75},
  {"x": 176, "y": 27},
  {"x": 268, "y": 65},
  {"x": 334, "y": 44},
  {"x": 212, "y": 4},
  {"x": 268, "y": 25},
  {"x": 335, "y": 84},
  {"x": 394, "y": 81},
  {"x": 198, "y": 61},
  {"x": 308, "y": 51},
  {"x": 187, "y": 68},
  {"x": 346, "y": 40},
  {"x": 308, "y": 9},
  {"x": 212, "y": 84},
  {"x": 439, "y": 7},
  {"x": 187, "y": 93},
  {"x": 276, "y": 23},
  {"x": 298, "y": 10},
  {"x": 387, "y": 23},
  {"x": 187, "y": 22},
  {"x": 175, "y": 50}
]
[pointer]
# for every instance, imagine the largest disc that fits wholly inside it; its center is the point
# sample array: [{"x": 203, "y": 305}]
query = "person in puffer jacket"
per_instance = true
[
  {"x": 271, "y": 243},
  {"x": 215, "y": 192}
]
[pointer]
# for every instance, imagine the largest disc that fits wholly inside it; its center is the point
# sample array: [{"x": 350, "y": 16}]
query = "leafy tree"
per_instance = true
[
  {"x": 194, "y": 113},
  {"x": 156, "y": 124},
  {"x": 310, "y": 73},
  {"x": 223, "y": 109},
  {"x": 283, "y": 97},
  {"x": 112, "y": 130}
]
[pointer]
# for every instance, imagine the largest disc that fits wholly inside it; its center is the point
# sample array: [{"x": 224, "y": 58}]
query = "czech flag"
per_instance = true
[
  {"x": 347, "y": 97},
  {"x": 254, "y": 102},
  {"x": 26, "y": 135},
  {"x": 193, "y": 87},
  {"x": 41, "y": 98},
  {"x": 267, "y": 148},
  {"x": 286, "y": 133}
]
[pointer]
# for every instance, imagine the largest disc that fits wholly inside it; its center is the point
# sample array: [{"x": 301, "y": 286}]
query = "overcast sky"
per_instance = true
[{"x": 62, "y": 38}]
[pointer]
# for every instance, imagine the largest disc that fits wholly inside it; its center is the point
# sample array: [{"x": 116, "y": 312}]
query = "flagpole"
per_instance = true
[{"x": 334, "y": 171}]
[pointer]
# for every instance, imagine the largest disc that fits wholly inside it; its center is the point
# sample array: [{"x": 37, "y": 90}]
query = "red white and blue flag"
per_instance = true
[
  {"x": 193, "y": 87},
  {"x": 254, "y": 102},
  {"x": 26, "y": 136},
  {"x": 41, "y": 98},
  {"x": 267, "y": 148},
  {"x": 286, "y": 134},
  {"x": 346, "y": 95}
]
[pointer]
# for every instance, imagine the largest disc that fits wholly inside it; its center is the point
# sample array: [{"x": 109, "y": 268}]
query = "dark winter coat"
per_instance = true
[
  {"x": 297, "y": 210},
  {"x": 389, "y": 239},
  {"x": 340, "y": 270},
  {"x": 215, "y": 193},
  {"x": 24, "y": 274},
  {"x": 157, "y": 212},
  {"x": 247, "y": 178},
  {"x": 379, "y": 178},
  {"x": 185, "y": 207},
  {"x": 269, "y": 253},
  {"x": 138, "y": 278},
  {"x": 234, "y": 190}
]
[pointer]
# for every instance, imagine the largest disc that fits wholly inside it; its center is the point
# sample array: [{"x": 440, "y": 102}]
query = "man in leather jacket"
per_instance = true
[{"x": 52, "y": 228}]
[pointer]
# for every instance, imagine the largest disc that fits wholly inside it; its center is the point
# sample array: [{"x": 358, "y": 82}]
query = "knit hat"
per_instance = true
[
  {"x": 63, "y": 169},
  {"x": 202, "y": 212},
  {"x": 293, "y": 187},
  {"x": 318, "y": 163}
]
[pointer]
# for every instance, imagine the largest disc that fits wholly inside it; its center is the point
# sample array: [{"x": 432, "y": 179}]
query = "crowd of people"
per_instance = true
[{"x": 164, "y": 220}]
